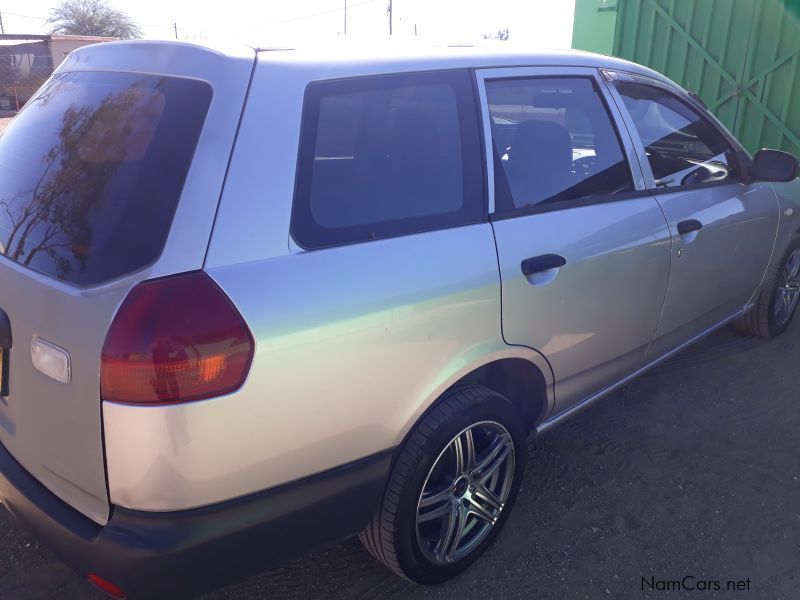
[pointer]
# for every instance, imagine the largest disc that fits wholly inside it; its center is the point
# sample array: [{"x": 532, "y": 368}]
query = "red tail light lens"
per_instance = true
[
  {"x": 108, "y": 588},
  {"x": 174, "y": 340}
]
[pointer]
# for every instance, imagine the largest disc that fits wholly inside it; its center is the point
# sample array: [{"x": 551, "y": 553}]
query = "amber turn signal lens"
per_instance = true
[{"x": 175, "y": 339}]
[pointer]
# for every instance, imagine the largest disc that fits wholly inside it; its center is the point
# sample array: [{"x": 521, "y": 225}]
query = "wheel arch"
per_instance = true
[
  {"x": 519, "y": 381},
  {"x": 518, "y": 373}
]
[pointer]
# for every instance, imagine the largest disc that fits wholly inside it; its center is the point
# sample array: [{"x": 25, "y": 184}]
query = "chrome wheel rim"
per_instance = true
[
  {"x": 788, "y": 293},
  {"x": 465, "y": 492}
]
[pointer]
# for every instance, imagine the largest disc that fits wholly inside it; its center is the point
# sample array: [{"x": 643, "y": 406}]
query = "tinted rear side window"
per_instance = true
[
  {"x": 91, "y": 172},
  {"x": 554, "y": 141},
  {"x": 384, "y": 156}
]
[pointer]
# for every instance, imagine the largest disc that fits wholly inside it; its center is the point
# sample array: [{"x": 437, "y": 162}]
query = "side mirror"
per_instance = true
[{"x": 774, "y": 165}]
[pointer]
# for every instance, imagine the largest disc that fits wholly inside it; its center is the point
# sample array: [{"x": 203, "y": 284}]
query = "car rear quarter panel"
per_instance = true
[{"x": 353, "y": 343}]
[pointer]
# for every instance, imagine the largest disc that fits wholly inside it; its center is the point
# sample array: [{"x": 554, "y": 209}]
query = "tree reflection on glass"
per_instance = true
[
  {"x": 93, "y": 142},
  {"x": 92, "y": 170}
]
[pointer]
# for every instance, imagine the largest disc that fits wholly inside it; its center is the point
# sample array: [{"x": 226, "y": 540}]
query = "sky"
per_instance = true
[{"x": 534, "y": 23}]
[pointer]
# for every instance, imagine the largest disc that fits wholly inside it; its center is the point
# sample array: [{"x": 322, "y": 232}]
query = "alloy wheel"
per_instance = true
[
  {"x": 788, "y": 293},
  {"x": 465, "y": 491}
]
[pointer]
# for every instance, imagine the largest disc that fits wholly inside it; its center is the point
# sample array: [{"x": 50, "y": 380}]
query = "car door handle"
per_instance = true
[
  {"x": 689, "y": 226},
  {"x": 545, "y": 262}
]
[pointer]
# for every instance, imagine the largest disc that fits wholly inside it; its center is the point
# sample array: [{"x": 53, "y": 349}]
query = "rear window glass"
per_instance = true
[
  {"x": 386, "y": 156},
  {"x": 92, "y": 169}
]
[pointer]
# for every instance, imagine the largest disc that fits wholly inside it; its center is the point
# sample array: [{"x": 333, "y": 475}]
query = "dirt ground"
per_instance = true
[{"x": 691, "y": 470}]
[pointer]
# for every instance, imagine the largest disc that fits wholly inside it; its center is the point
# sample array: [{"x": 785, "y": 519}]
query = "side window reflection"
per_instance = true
[
  {"x": 91, "y": 171},
  {"x": 683, "y": 147},
  {"x": 553, "y": 141}
]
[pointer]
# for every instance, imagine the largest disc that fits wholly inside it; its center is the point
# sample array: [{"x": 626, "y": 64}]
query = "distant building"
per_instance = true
[{"x": 26, "y": 61}]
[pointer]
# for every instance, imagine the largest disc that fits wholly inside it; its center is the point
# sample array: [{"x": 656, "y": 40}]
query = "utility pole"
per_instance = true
[
  {"x": 175, "y": 25},
  {"x": 345, "y": 17},
  {"x": 390, "y": 17}
]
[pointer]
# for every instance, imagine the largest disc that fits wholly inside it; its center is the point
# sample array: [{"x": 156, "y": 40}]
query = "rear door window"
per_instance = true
[
  {"x": 92, "y": 169},
  {"x": 553, "y": 142},
  {"x": 385, "y": 156}
]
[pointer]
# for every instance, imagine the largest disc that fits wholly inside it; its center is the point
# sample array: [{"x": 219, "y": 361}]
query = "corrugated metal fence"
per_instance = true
[
  {"x": 741, "y": 56},
  {"x": 24, "y": 66}
]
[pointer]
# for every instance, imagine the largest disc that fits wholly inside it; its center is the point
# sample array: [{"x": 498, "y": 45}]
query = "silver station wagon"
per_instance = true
[{"x": 256, "y": 301}]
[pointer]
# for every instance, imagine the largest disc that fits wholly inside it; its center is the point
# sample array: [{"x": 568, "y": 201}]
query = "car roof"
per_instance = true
[
  {"x": 403, "y": 55},
  {"x": 391, "y": 55},
  {"x": 380, "y": 50}
]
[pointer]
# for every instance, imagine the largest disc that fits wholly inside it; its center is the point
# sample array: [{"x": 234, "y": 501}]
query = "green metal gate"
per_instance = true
[{"x": 741, "y": 56}]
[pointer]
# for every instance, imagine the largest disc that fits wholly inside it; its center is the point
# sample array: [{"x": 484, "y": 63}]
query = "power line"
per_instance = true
[
  {"x": 311, "y": 16},
  {"x": 324, "y": 12},
  {"x": 25, "y": 16}
]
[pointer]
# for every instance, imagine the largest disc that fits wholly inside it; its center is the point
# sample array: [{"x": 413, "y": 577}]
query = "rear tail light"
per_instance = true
[
  {"x": 108, "y": 588},
  {"x": 173, "y": 340}
]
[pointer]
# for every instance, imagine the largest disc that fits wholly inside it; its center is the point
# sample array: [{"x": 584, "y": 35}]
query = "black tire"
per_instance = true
[
  {"x": 391, "y": 536},
  {"x": 761, "y": 319}
]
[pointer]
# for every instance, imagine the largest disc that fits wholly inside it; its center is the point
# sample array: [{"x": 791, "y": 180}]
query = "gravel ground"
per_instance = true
[{"x": 690, "y": 470}]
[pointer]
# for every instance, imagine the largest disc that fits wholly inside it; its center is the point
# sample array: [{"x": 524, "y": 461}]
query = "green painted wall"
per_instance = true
[
  {"x": 594, "y": 26},
  {"x": 741, "y": 56}
]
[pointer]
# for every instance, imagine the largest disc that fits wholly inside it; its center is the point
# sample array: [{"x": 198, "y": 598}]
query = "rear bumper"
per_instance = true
[{"x": 180, "y": 554}]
